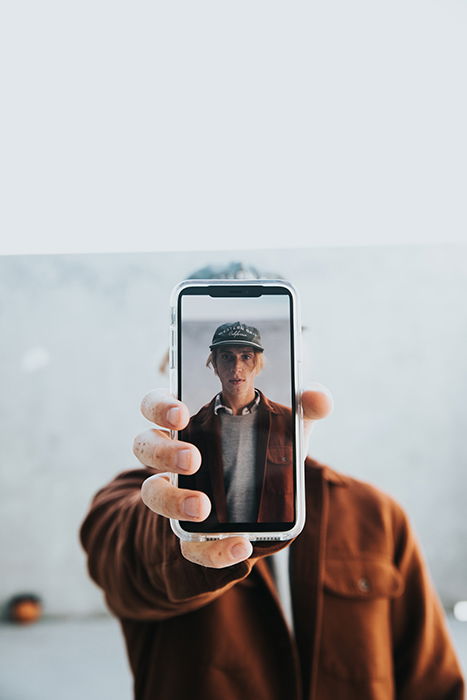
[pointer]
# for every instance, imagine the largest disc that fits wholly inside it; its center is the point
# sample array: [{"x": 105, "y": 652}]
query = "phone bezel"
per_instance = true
[{"x": 245, "y": 288}]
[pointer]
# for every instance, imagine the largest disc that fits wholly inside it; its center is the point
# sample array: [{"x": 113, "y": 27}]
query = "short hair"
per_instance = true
[{"x": 212, "y": 359}]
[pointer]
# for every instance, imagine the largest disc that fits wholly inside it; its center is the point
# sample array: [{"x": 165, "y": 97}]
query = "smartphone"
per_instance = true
[{"x": 234, "y": 361}]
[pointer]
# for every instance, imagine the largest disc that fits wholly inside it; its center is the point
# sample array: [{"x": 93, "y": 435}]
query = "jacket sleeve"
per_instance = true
[
  {"x": 134, "y": 556},
  {"x": 425, "y": 661}
]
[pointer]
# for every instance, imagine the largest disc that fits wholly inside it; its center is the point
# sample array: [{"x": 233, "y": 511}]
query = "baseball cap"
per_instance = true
[{"x": 236, "y": 334}]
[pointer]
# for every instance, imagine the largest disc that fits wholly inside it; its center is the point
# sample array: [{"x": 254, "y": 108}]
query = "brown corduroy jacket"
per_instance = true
[
  {"x": 368, "y": 625},
  {"x": 274, "y": 477}
]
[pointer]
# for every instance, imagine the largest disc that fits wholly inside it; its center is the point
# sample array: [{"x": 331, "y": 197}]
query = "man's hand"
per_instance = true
[{"x": 158, "y": 452}]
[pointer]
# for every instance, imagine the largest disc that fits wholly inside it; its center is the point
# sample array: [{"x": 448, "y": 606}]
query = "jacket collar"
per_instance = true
[
  {"x": 250, "y": 408},
  {"x": 327, "y": 473}
]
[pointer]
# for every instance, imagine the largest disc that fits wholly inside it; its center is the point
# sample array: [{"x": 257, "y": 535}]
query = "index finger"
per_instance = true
[{"x": 160, "y": 407}]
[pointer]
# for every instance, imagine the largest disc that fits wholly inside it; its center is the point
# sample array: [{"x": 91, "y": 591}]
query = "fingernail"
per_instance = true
[
  {"x": 192, "y": 506},
  {"x": 184, "y": 459},
  {"x": 241, "y": 550},
  {"x": 173, "y": 415}
]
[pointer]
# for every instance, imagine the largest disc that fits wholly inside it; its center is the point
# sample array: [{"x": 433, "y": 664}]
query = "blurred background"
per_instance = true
[
  {"x": 82, "y": 341},
  {"x": 140, "y": 141}
]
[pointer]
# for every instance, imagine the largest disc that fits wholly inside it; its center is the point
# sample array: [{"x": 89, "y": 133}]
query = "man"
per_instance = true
[
  {"x": 245, "y": 439},
  {"x": 203, "y": 620}
]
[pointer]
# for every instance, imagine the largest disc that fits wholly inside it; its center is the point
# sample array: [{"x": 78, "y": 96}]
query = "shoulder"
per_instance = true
[
  {"x": 359, "y": 491},
  {"x": 362, "y": 517}
]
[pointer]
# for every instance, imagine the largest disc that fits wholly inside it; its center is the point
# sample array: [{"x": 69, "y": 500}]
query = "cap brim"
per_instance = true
[{"x": 236, "y": 342}]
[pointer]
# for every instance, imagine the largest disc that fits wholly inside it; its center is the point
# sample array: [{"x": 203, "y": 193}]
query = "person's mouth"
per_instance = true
[{"x": 235, "y": 382}]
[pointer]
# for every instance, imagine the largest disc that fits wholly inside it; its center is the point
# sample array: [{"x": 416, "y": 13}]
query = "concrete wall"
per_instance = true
[{"x": 81, "y": 340}]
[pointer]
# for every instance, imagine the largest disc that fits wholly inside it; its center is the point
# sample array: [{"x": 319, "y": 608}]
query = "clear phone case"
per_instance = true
[{"x": 298, "y": 466}]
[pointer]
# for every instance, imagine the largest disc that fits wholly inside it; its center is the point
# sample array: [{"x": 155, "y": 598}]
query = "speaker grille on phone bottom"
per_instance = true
[{"x": 257, "y": 539}]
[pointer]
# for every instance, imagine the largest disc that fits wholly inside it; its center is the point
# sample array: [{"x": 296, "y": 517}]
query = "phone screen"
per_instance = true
[{"x": 236, "y": 375}]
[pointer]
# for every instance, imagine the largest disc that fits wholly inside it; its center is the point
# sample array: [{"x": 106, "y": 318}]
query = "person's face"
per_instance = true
[{"x": 236, "y": 368}]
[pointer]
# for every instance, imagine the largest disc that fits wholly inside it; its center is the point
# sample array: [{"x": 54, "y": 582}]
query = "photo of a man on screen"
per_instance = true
[{"x": 245, "y": 439}]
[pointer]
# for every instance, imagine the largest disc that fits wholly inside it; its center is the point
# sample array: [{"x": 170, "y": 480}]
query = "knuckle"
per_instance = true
[
  {"x": 147, "y": 405},
  {"x": 212, "y": 555},
  {"x": 139, "y": 445},
  {"x": 159, "y": 456},
  {"x": 150, "y": 404},
  {"x": 152, "y": 493},
  {"x": 215, "y": 555},
  {"x": 172, "y": 504},
  {"x": 152, "y": 449},
  {"x": 157, "y": 414}
]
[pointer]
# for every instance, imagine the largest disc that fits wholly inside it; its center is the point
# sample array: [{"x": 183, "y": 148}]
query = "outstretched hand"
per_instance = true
[{"x": 160, "y": 454}]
